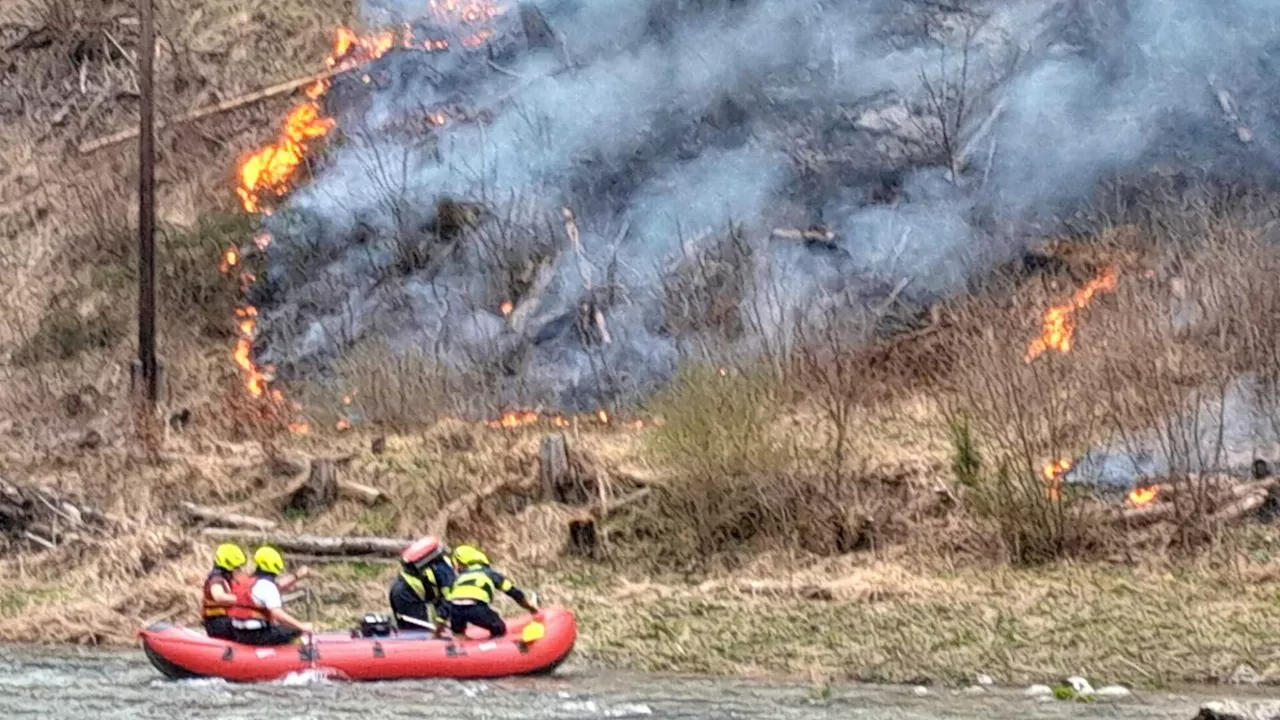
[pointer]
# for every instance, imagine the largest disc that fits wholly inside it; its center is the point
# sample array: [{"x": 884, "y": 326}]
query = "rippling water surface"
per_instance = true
[{"x": 105, "y": 685}]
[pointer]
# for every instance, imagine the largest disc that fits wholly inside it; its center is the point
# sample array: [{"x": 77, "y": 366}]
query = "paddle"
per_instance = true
[
  {"x": 414, "y": 621},
  {"x": 310, "y": 600}
]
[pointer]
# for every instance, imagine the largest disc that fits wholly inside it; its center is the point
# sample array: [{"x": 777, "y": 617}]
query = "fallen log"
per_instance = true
[
  {"x": 319, "y": 545},
  {"x": 363, "y": 493},
  {"x": 604, "y": 512},
  {"x": 1239, "y": 508},
  {"x": 199, "y": 113},
  {"x": 335, "y": 559},
  {"x": 1146, "y": 514},
  {"x": 223, "y": 518},
  {"x": 1248, "y": 489}
]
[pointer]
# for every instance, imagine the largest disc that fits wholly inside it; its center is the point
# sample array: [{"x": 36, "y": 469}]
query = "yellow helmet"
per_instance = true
[
  {"x": 467, "y": 555},
  {"x": 269, "y": 560},
  {"x": 229, "y": 556}
]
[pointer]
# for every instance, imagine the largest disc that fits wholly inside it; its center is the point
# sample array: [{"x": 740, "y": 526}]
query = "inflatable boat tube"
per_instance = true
[{"x": 180, "y": 652}]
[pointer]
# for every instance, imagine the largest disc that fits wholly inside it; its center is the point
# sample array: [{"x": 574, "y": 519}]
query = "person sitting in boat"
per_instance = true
[
  {"x": 417, "y": 595},
  {"x": 259, "y": 617},
  {"x": 217, "y": 597},
  {"x": 471, "y": 594}
]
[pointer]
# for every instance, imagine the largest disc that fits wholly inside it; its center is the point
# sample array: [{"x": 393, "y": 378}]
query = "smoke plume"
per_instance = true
[{"x": 915, "y": 143}]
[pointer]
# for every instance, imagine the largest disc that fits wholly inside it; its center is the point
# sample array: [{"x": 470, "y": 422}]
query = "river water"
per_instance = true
[{"x": 95, "y": 685}]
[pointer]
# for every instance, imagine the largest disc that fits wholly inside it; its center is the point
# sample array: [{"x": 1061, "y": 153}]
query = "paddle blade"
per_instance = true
[{"x": 533, "y": 631}]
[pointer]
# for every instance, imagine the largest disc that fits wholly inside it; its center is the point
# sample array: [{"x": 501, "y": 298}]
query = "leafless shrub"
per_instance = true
[
  {"x": 1012, "y": 422},
  {"x": 703, "y": 290}
]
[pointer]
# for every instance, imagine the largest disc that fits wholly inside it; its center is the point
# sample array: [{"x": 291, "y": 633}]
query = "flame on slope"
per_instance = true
[
  {"x": 271, "y": 170},
  {"x": 255, "y": 377},
  {"x": 1058, "y": 326},
  {"x": 522, "y": 418},
  {"x": 1141, "y": 496},
  {"x": 1053, "y": 473}
]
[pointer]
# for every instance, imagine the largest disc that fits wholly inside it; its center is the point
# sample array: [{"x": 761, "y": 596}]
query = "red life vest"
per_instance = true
[
  {"x": 208, "y": 607},
  {"x": 246, "y": 608}
]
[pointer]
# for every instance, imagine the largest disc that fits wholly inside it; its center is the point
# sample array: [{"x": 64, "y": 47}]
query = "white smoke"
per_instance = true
[{"x": 680, "y": 117}]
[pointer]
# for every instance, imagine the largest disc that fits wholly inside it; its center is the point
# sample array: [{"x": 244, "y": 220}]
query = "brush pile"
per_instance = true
[{"x": 40, "y": 517}]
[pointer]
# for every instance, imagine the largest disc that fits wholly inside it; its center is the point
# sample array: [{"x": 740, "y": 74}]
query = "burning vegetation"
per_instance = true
[{"x": 1058, "y": 328}]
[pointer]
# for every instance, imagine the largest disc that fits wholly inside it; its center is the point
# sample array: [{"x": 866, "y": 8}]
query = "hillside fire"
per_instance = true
[{"x": 1058, "y": 326}]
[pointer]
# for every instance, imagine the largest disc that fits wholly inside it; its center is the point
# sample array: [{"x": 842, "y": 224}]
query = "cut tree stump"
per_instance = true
[
  {"x": 583, "y": 538},
  {"x": 553, "y": 461},
  {"x": 562, "y": 480},
  {"x": 320, "y": 490}
]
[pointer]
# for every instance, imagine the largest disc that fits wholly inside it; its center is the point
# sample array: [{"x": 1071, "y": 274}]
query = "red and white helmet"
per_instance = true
[{"x": 423, "y": 552}]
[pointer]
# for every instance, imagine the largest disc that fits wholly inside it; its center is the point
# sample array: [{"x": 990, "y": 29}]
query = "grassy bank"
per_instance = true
[{"x": 1144, "y": 626}]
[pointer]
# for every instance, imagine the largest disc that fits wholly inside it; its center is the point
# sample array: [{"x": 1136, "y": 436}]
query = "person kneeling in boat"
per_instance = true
[
  {"x": 217, "y": 597},
  {"x": 417, "y": 595},
  {"x": 471, "y": 595},
  {"x": 259, "y": 617}
]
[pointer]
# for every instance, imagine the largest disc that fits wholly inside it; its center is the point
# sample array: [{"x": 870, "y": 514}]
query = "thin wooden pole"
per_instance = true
[{"x": 147, "y": 210}]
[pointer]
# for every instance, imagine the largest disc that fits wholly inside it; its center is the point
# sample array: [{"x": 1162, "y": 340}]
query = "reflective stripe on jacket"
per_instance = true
[
  {"x": 478, "y": 583},
  {"x": 419, "y": 585}
]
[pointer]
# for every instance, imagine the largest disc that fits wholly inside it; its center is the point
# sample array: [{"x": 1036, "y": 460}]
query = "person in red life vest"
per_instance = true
[
  {"x": 417, "y": 595},
  {"x": 217, "y": 597},
  {"x": 472, "y": 592},
  {"x": 259, "y": 617}
]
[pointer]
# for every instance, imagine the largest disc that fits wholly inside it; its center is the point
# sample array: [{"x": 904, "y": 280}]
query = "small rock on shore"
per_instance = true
[{"x": 1231, "y": 710}]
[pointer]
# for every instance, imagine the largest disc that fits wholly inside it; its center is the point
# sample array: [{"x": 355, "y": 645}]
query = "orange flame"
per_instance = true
[
  {"x": 229, "y": 260},
  {"x": 1141, "y": 496},
  {"x": 271, "y": 169},
  {"x": 1053, "y": 473},
  {"x": 514, "y": 419},
  {"x": 1058, "y": 326},
  {"x": 521, "y": 418},
  {"x": 506, "y": 307},
  {"x": 343, "y": 424}
]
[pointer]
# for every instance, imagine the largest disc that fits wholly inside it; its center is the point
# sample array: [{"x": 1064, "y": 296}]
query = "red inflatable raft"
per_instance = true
[{"x": 179, "y": 652}]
